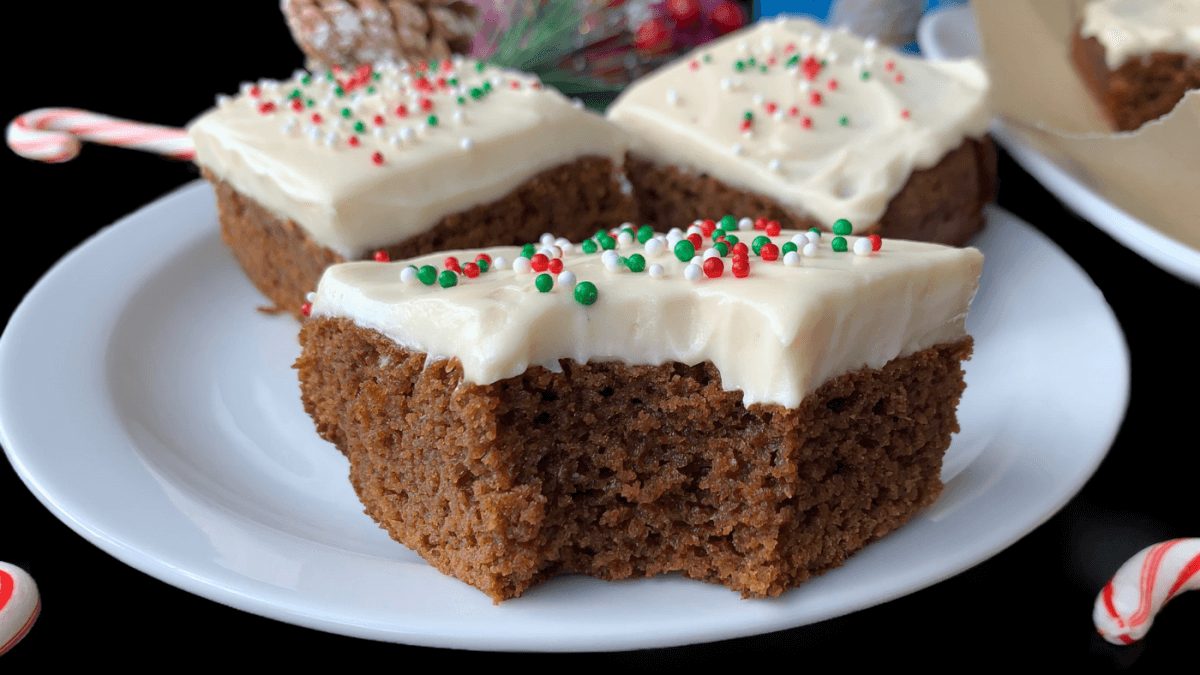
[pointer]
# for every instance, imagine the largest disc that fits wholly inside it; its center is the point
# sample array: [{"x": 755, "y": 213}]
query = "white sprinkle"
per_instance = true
[
  {"x": 810, "y": 250},
  {"x": 289, "y": 126},
  {"x": 521, "y": 265},
  {"x": 672, "y": 97},
  {"x": 695, "y": 229},
  {"x": 804, "y": 85},
  {"x": 612, "y": 261},
  {"x": 693, "y": 272},
  {"x": 655, "y": 271},
  {"x": 726, "y": 83},
  {"x": 406, "y": 133},
  {"x": 773, "y": 165},
  {"x": 813, "y": 237},
  {"x": 831, "y": 57},
  {"x": 466, "y": 144},
  {"x": 298, "y": 74},
  {"x": 869, "y": 59},
  {"x": 711, "y": 253},
  {"x": 758, "y": 99},
  {"x": 857, "y": 63},
  {"x": 791, "y": 259},
  {"x": 805, "y": 38},
  {"x": 578, "y": 103},
  {"x": 409, "y": 275},
  {"x": 552, "y": 251},
  {"x": 799, "y": 239},
  {"x": 313, "y": 132},
  {"x": 767, "y": 43},
  {"x": 245, "y": 87},
  {"x": 331, "y": 139},
  {"x": 778, "y": 114},
  {"x": 378, "y": 132},
  {"x": 869, "y": 43},
  {"x": 863, "y": 246},
  {"x": 496, "y": 80},
  {"x": 624, "y": 238},
  {"x": 458, "y": 116},
  {"x": 697, "y": 260},
  {"x": 421, "y": 128},
  {"x": 654, "y": 247},
  {"x": 547, "y": 239},
  {"x": 745, "y": 224},
  {"x": 566, "y": 279},
  {"x": 310, "y": 296},
  {"x": 737, "y": 149},
  {"x": 222, "y": 99},
  {"x": 742, "y": 46},
  {"x": 564, "y": 245},
  {"x": 394, "y": 140},
  {"x": 673, "y": 239},
  {"x": 500, "y": 263}
]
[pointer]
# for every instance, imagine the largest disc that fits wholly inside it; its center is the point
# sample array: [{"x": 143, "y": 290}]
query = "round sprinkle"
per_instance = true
[
  {"x": 862, "y": 246},
  {"x": 589, "y": 246},
  {"x": 844, "y": 120},
  {"x": 409, "y": 275},
  {"x": 809, "y": 250},
  {"x": 427, "y": 274},
  {"x": 644, "y": 234},
  {"x": 544, "y": 283},
  {"x": 451, "y": 263},
  {"x": 521, "y": 265},
  {"x": 471, "y": 270},
  {"x": 711, "y": 253},
  {"x": 838, "y": 244},
  {"x": 483, "y": 265},
  {"x": 585, "y": 293},
  {"x": 842, "y": 226},
  {"x": 685, "y": 250},
  {"x": 606, "y": 242},
  {"x": 447, "y": 279},
  {"x": 624, "y": 238},
  {"x": 466, "y": 144},
  {"x": 636, "y": 262},
  {"x": 758, "y": 243},
  {"x": 741, "y": 268},
  {"x": 500, "y": 263},
  {"x": 773, "y": 229},
  {"x": 528, "y": 250},
  {"x": 612, "y": 261},
  {"x": 788, "y": 247},
  {"x": 566, "y": 279},
  {"x": 654, "y": 247},
  {"x": 745, "y": 224},
  {"x": 381, "y": 256},
  {"x": 547, "y": 239},
  {"x": 713, "y": 267},
  {"x": 769, "y": 252},
  {"x": 306, "y": 308},
  {"x": 539, "y": 262},
  {"x": 656, "y": 271},
  {"x": 555, "y": 266},
  {"x": 721, "y": 248},
  {"x": 693, "y": 273},
  {"x": 740, "y": 249},
  {"x": 813, "y": 235},
  {"x": 727, "y": 223},
  {"x": 791, "y": 259},
  {"x": 876, "y": 241}
]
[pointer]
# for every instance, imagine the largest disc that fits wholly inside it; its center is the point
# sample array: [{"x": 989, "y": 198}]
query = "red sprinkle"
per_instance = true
[
  {"x": 811, "y": 68},
  {"x": 713, "y": 267},
  {"x": 833, "y": 85},
  {"x": 316, "y": 118},
  {"x": 773, "y": 228},
  {"x": 747, "y": 125},
  {"x": 377, "y": 157},
  {"x": 696, "y": 240},
  {"x": 806, "y": 122},
  {"x": 556, "y": 265},
  {"x": 694, "y": 65},
  {"x": 771, "y": 108},
  {"x": 381, "y": 256},
  {"x": 889, "y": 66},
  {"x": 306, "y": 308},
  {"x": 267, "y": 107},
  {"x": 793, "y": 111},
  {"x": 379, "y": 120},
  {"x": 451, "y": 263},
  {"x": 905, "y": 114},
  {"x": 789, "y": 48},
  {"x": 741, "y": 249},
  {"x": 536, "y": 85},
  {"x": 441, "y": 82},
  {"x": 484, "y": 256},
  {"x": 741, "y": 268},
  {"x": 769, "y": 252},
  {"x": 297, "y": 105},
  {"x": 760, "y": 223},
  {"x": 539, "y": 262},
  {"x": 471, "y": 270},
  {"x": 707, "y": 227},
  {"x": 899, "y": 78},
  {"x": 815, "y": 98},
  {"x": 255, "y": 91},
  {"x": 426, "y": 104},
  {"x": 515, "y": 84},
  {"x": 422, "y": 84},
  {"x": 353, "y": 141},
  {"x": 876, "y": 241},
  {"x": 402, "y": 111},
  {"x": 770, "y": 60}
]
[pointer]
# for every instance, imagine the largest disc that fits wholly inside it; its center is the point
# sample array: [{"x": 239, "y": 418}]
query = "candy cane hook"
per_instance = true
[
  {"x": 1127, "y": 605},
  {"x": 52, "y": 135}
]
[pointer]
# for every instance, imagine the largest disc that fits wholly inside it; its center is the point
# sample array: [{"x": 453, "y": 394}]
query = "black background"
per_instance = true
[{"x": 1029, "y": 604}]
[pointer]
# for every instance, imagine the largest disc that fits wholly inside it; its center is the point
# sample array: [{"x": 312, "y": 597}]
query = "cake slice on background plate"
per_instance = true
[
  {"x": 804, "y": 125},
  {"x": 747, "y": 413},
  {"x": 403, "y": 158}
]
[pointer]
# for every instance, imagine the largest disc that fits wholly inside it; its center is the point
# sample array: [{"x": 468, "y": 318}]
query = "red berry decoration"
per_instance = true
[
  {"x": 685, "y": 12},
  {"x": 654, "y": 37},
  {"x": 773, "y": 228},
  {"x": 713, "y": 267},
  {"x": 381, "y": 256},
  {"x": 555, "y": 266},
  {"x": 728, "y": 17},
  {"x": 769, "y": 252},
  {"x": 539, "y": 262},
  {"x": 471, "y": 270},
  {"x": 451, "y": 263}
]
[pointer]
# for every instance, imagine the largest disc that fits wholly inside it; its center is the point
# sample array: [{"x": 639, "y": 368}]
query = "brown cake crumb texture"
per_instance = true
[
  {"x": 942, "y": 204},
  {"x": 572, "y": 200},
  {"x": 620, "y": 471},
  {"x": 1141, "y": 89}
]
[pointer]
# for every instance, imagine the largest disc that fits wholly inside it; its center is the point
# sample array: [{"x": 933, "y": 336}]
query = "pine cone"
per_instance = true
[{"x": 349, "y": 32}]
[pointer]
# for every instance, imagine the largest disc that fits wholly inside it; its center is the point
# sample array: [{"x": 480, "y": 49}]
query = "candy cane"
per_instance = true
[
  {"x": 52, "y": 135},
  {"x": 1127, "y": 605}
]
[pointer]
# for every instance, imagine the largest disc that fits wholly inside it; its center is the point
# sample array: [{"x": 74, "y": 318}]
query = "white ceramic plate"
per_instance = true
[
  {"x": 951, "y": 34},
  {"x": 152, "y": 409}
]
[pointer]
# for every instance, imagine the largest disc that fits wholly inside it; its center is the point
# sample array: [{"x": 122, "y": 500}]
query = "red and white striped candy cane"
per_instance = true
[
  {"x": 52, "y": 135},
  {"x": 1127, "y": 605}
]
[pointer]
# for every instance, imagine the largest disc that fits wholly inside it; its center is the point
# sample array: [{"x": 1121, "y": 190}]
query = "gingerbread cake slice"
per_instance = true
[
  {"x": 804, "y": 125},
  {"x": 748, "y": 416},
  {"x": 404, "y": 158},
  {"x": 1138, "y": 57}
]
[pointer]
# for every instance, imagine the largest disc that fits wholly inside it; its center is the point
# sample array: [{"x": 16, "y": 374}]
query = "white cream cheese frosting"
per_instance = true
[
  {"x": 1128, "y": 28},
  {"x": 775, "y": 334},
  {"x": 366, "y": 159},
  {"x": 824, "y": 123}
]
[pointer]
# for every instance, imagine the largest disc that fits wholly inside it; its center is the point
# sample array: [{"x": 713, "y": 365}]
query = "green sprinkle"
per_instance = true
[
  {"x": 718, "y": 233},
  {"x": 528, "y": 250},
  {"x": 763, "y": 69},
  {"x": 295, "y": 94},
  {"x": 359, "y": 126},
  {"x": 375, "y": 76},
  {"x": 487, "y": 87},
  {"x": 758, "y": 243},
  {"x": 684, "y": 250},
  {"x": 427, "y": 275},
  {"x": 739, "y": 66},
  {"x": 453, "y": 81},
  {"x": 433, "y": 66},
  {"x": 750, "y": 62},
  {"x": 371, "y": 90},
  {"x": 708, "y": 58},
  {"x": 788, "y": 247},
  {"x": 727, "y": 223},
  {"x": 748, "y": 116},
  {"x": 866, "y": 75},
  {"x": 431, "y": 120},
  {"x": 346, "y": 112},
  {"x": 838, "y": 244},
  {"x": 793, "y": 61},
  {"x": 600, "y": 233},
  {"x": 731, "y": 239},
  {"x": 817, "y": 230},
  {"x": 632, "y": 234},
  {"x": 606, "y": 242},
  {"x": 483, "y": 265},
  {"x": 644, "y": 234},
  {"x": 476, "y": 92},
  {"x": 843, "y": 120},
  {"x": 479, "y": 67},
  {"x": 338, "y": 91},
  {"x": 462, "y": 101},
  {"x": 722, "y": 247},
  {"x": 308, "y": 102},
  {"x": 842, "y": 226},
  {"x": 589, "y": 246},
  {"x": 585, "y": 293},
  {"x": 636, "y": 262},
  {"x": 329, "y": 75},
  {"x": 544, "y": 283},
  {"x": 447, "y": 279},
  {"x": 306, "y": 80}
]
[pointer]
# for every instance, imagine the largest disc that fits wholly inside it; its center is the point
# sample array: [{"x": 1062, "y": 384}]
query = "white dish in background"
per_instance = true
[
  {"x": 152, "y": 409},
  {"x": 951, "y": 34}
]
